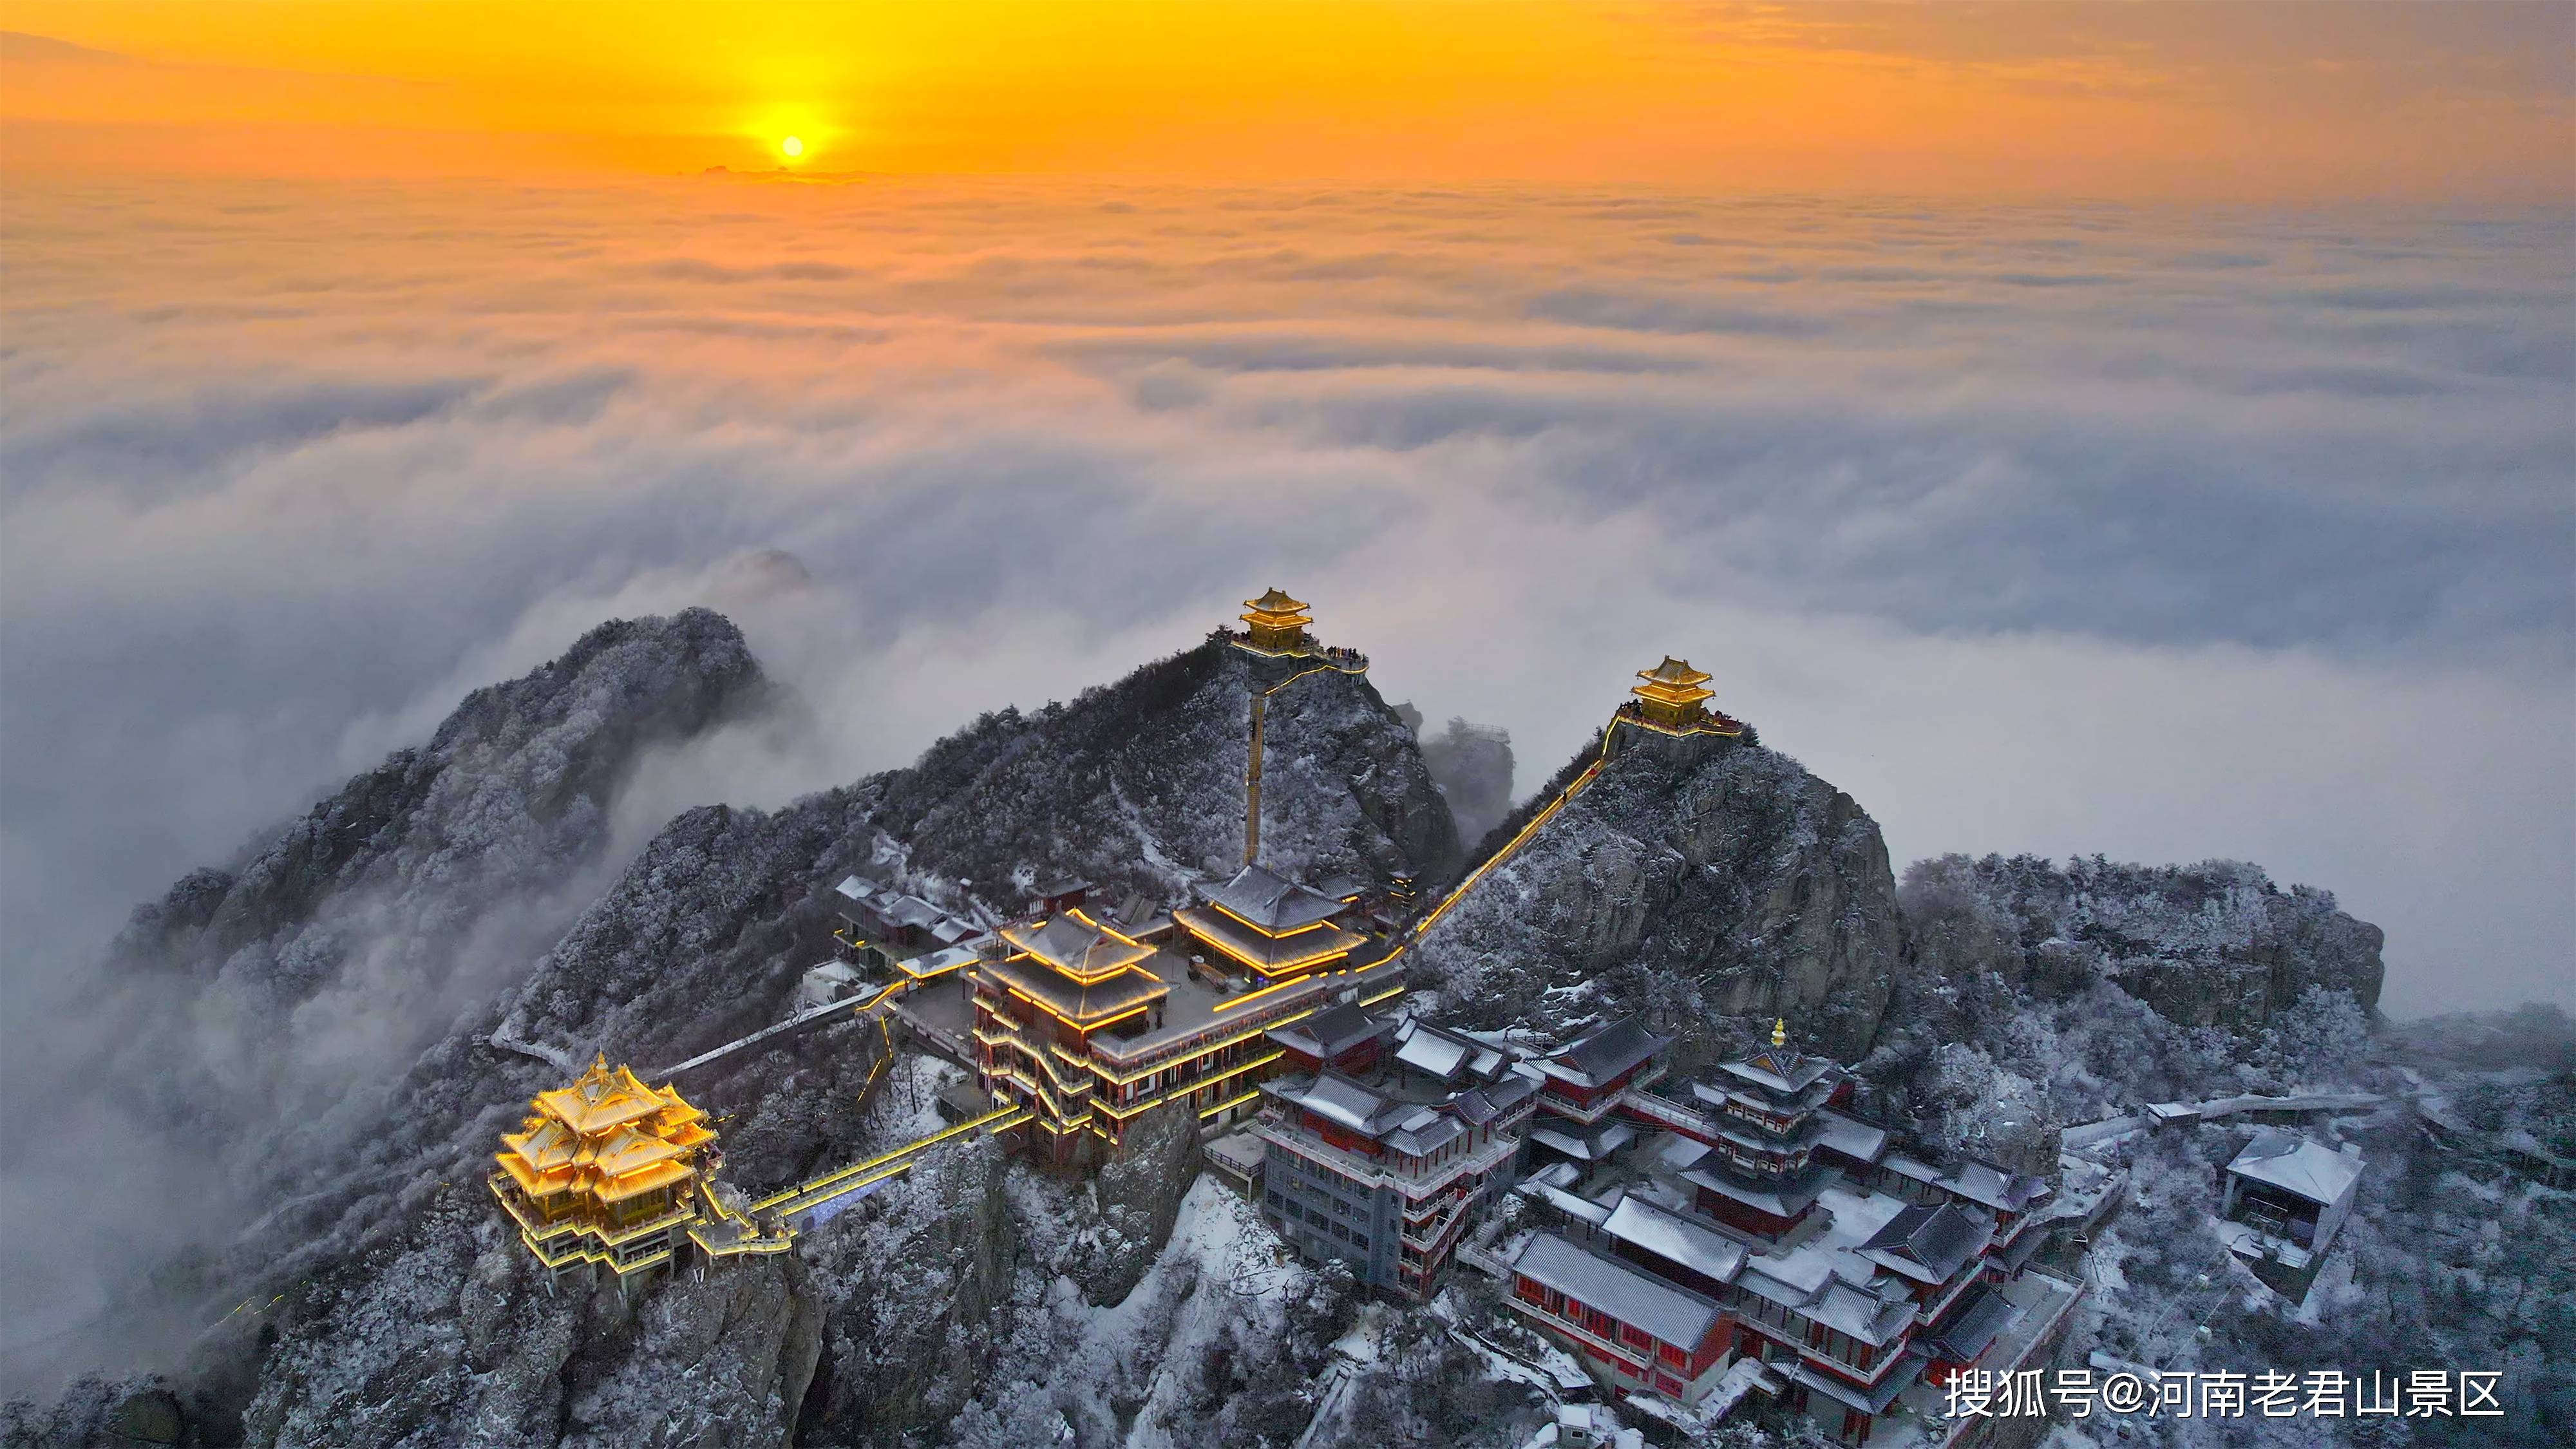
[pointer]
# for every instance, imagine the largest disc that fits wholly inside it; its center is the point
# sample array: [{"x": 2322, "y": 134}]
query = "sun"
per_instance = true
[{"x": 792, "y": 148}]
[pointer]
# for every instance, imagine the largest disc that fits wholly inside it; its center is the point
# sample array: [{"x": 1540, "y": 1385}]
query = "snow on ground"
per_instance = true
[{"x": 1216, "y": 1265}]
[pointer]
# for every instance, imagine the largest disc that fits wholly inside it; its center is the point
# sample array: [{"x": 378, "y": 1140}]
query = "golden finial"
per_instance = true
[{"x": 1780, "y": 1031}]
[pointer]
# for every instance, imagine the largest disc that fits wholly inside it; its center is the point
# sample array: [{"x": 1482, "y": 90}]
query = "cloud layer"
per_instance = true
[{"x": 2161, "y": 533}]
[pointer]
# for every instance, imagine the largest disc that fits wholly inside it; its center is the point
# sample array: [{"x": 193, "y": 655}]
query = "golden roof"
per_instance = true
[
  {"x": 1275, "y": 607},
  {"x": 608, "y": 1135},
  {"x": 602, "y": 1098},
  {"x": 1673, "y": 682}
]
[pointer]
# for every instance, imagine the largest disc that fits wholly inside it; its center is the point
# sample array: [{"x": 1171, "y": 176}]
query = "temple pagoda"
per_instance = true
[
  {"x": 1276, "y": 623},
  {"x": 607, "y": 1172},
  {"x": 1761, "y": 1176}
]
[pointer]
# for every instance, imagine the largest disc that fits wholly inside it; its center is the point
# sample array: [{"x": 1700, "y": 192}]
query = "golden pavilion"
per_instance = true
[
  {"x": 614, "y": 1173},
  {"x": 1276, "y": 622},
  {"x": 1674, "y": 697}
]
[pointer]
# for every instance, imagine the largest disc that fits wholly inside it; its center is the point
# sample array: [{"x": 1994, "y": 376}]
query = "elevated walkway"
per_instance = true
[
  {"x": 806, "y": 1196},
  {"x": 803, "y": 1021}
]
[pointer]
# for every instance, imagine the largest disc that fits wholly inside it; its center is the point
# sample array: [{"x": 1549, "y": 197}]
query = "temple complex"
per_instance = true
[
  {"x": 1751, "y": 1224},
  {"x": 609, "y": 1172},
  {"x": 1088, "y": 1020}
]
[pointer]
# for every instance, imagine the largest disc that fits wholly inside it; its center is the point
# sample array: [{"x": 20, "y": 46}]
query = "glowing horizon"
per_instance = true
[{"x": 2276, "y": 102}]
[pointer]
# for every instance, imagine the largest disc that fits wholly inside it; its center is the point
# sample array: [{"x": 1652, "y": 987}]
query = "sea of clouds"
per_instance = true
[{"x": 2061, "y": 528}]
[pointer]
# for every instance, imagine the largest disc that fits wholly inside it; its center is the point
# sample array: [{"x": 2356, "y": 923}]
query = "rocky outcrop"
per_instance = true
[
  {"x": 1138, "y": 1195},
  {"x": 1738, "y": 885},
  {"x": 394, "y": 1302},
  {"x": 452, "y": 1336},
  {"x": 913, "y": 1280},
  {"x": 1140, "y": 785},
  {"x": 350, "y": 939},
  {"x": 2214, "y": 944}
]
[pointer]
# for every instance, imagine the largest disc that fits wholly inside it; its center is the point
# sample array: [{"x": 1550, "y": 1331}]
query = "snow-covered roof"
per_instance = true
[
  {"x": 1852, "y": 1137},
  {"x": 1671, "y": 1236},
  {"x": 1272, "y": 902},
  {"x": 1606, "y": 1051},
  {"x": 1780, "y": 1069},
  {"x": 1432, "y": 1052},
  {"x": 1330, "y": 1032},
  {"x": 1864, "y": 1316},
  {"x": 1928, "y": 1243},
  {"x": 1973, "y": 1325},
  {"x": 2297, "y": 1163},
  {"x": 1626, "y": 1293},
  {"x": 1337, "y": 1098}
]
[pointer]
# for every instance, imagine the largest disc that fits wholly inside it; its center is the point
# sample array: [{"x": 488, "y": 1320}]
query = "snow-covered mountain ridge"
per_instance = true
[{"x": 976, "y": 1301}]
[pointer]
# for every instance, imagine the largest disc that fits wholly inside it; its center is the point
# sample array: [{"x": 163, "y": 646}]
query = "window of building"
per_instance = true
[{"x": 1668, "y": 1384}]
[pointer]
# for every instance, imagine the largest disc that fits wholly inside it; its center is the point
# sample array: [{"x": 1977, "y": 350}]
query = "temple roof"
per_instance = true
[
  {"x": 1928, "y": 1243},
  {"x": 1674, "y": 672},
  {"x": 1276, "y": 601},
  {"x": 1077, "y": 1001},
  {"x": 1782, "y": 1070},
  {"x": 1267, "y": 954},
  {"x": 1270, "y": 902},
  {"x": 1629, "y": 1294},
  {"x": 1076, "y": 945},
  {"x": 1330, "y": 1032},
  {"x": 1668, "y": 1235},
  {"x": 2297, "y": 1163},
  {"x": 603, "y": 1097},
  {"x": 1604, "y": 1052}
]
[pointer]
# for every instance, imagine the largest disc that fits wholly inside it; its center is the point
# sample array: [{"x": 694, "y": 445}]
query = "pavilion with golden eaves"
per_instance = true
[
  {"x": 1276, "y": 622},
  {"x": 612, "y": 1173},
  {"x": 1671, "y": 701},
  {"x": 1088, "y": 1020}
]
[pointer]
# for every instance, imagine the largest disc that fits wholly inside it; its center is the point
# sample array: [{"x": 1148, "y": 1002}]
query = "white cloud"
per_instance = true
[{"x": 2060, "y": 528}]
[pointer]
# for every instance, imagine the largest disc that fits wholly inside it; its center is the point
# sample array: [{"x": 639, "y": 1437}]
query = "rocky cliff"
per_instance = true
[
  {"x": 2214, "y": 944},
  {"x": 388, "y": 1304},
  {"x": 1738, "y": 886}
]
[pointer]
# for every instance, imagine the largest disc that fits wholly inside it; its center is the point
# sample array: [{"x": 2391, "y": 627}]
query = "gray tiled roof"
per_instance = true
[
  {"x": 1973, "y": 1325},
  {"x": 1330, "y": 1032},
  {"x": 1271, "y": 901},
  {"x": 1937, "y": 1239},
  {"x": 1625, "y": 1292},
  {"x": 1669, "y": 1235},
  {"x": 1605, "y": 1051}
]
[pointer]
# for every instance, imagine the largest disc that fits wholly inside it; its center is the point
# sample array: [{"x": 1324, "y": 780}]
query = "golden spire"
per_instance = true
[{"x": 1780, "y": 1031}]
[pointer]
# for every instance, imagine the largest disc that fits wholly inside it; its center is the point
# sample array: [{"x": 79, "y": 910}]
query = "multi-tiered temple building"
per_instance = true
[
  {"x": 611, "y": 1173},
  {"x": 1751, "y": 1223},
  {"x": 1091, "y": 1022}
]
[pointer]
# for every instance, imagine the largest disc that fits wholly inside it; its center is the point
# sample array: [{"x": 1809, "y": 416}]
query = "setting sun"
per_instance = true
[{"x": 792, "y": 147}]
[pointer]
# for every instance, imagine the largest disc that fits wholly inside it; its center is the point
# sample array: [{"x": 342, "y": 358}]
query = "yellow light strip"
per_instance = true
[
  {"x": 1136, "y": 1109},
  {"x": 885, "y": 1157},
  {"x": 1120, "y": 1080},
  {"x": 1498, "y": 857},
  {"x": 1250, "y": 996},
  {"x": 1229, "y": 1106},
  {"x": 1301, "y": 965}
]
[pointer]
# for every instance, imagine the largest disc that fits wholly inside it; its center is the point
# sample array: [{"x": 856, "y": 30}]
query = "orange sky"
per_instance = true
[{"x": 2242, "y": 100}]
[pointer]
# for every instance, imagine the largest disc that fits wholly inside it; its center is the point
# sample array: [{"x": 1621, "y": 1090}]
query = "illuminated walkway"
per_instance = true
[{"x": 806, "y": 1196}]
